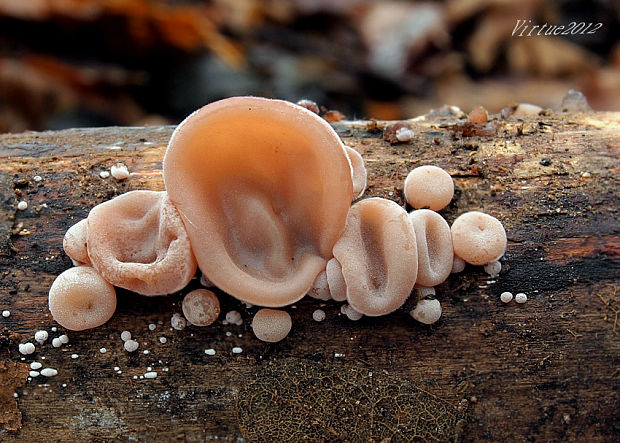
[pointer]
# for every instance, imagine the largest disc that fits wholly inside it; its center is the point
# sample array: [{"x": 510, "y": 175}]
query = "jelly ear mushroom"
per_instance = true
[
  {"x": 320, "y": 288},
  {"x": 429, "y": 187},
  {"x": 434, "y": 242},
  {"x": 263, "y": 187},
  {"x": 271, "y": 325},
  {"x": 137, "y": 241},
  {"x": 335, "y": 280},
  {"x": 358, "y": 172},
  {"x": 81, "y": 299},
  {"x": 478, "y": 238},
  {"x": 74, "y": 243},
  {"x": 378, "y": 256},
  {"x": 427, "y": 311}
]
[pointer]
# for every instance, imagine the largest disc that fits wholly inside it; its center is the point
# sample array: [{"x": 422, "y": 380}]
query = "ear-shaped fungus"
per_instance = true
[
  {"x": 358, "y": 172},
  {"x": 434, "y": 242},
  {"x": 335, "y": 280},
  {"x": 478, "y": 238},
  {"x": 378, "y": 255},
  {"x": 74, "y": 243},
  {"x": 81, "y": 299},
  {"x": 263, "y": 187},
  {"x": 429, "y": 187},
  {"x": 137, "y": 241}
]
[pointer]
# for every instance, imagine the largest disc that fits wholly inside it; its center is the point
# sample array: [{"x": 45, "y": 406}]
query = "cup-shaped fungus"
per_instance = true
[
  {"x": 271, "y": 325},
  {"x": 378, "y": 256},
  {"x": 434, "y": 242},
  {"x": 137, "y": 241},
  {"x": 201, "y": 307},
  {"x": 335, "y": 280},
  {"x": 263, "y": 187},
  {"x": 74, "y": 243},
  {"x": 358, "y": 172},
  {"x": 478, "y": 238},
  {"x": 429, "y": 187},
  {"x": 81, "y": 299}
]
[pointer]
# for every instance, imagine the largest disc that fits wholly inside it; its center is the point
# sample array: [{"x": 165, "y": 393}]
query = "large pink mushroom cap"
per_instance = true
[
  {"x": 378, "y": 256},
  {"x": 137, "y": 241},
  {"x": 263, "y": 187},
  {"x": 478, "y": 238}
]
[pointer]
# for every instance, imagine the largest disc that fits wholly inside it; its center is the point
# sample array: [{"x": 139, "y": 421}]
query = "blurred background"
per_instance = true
[{"x": 73, "y": 63}]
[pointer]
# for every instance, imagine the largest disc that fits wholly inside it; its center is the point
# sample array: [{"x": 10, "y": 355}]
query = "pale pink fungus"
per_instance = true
[
  {"x": 320, "y": 287},
  {"x": 478, "y": 238},
  {"x": 263, "y": 187},
  {"x": 435, "y": 256},
  {"x": 526, "y": 109},
  {"x": 478, "y": 115},
  {"x": 429, "y": 187},
  {"x": 378, "y": 255},
  {"x": 427, "y": 311},
  {"x": 137, "y": 241},
  {"x": 74, "y": 243},
  {"x": 358, "y": 172},
  {"x": 271, "y": 325},
  {"x": 201, "y": 307},
  {"x": 81, "y": 299},
  {"x": 335, "y": 280}
]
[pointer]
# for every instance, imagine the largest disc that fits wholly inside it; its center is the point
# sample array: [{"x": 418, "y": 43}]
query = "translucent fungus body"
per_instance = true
[
  {"x": 429, "y": 187},
  {"x": 378, "y": 256},
  {"x": 271, "y": 325},
  {"x": 427, "y": 311},
  {"x": 201, "y": 307},
  {"x": 74, "y": 242},
  {"x": 320, "y": 287},
  {"x": 137, "y": 241},
  {"x": 335, "y": 280},
  {"x": 478, "y": 238},
  {"x": 263, "y": 187},
  {"x": 81, "y": 299},
  {"x": 435, "y": 256},
  {"x": 358, "y": 172}
]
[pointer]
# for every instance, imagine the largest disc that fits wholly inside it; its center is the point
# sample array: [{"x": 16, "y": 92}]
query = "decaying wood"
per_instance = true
[{"x": 544, "y": 370}]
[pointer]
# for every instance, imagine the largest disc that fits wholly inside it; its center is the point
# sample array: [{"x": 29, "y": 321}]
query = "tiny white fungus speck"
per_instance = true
[
  {"x": 37, "y": 178},
  {"x": 22, "y": 205},
  {"x": 116, "y": 368},
  {"x": 74, "y": 356},
  {"x": 178, "y": 322},
  {"x": 149, "y": 369},
  {"x": 26, "y": 348},
  {"x": 152, "y": 326},
  {"x": 119, "y": 171},
  {"x": 350, "y": 312},
  {"x": 56, "y": 342},
  {"x": 146, "y": 352},
  {"x": 234, "y": 318},
  {"x": 404, "y": 134},
  {"x": 54, "y": 328},
  {"x": 104, "y": 174},
  {"x": 237, "y": 350},
  {"x": 228, "y": 334},
  {"x": 338, "y": 355},
  {"x": 125, "y": 335},
  {"x": 6, "y": 313},
  {"x": 163, "y": 340},
  {"x": 150, "y": 375},
  {"x": 520, "y": 297},
  {"x": 210, "y": 351},
  {"x": 493, "y": 268},
  {"x": 103, "y": 350},
  {"x": 35, "y": 365},
  {"x": 33, "y": 373},
  {"x": 131, "y": 345},
  {"x": 505, "y": 297},
  {"x": 318, "y": 315},
  {"x": 40, "y": 336},
  {"x": 49, "y": 372},
  {"x": 15, "y": 395},
  {"x": 64, "y": 339},
  {"x": 135, "y": 377}
]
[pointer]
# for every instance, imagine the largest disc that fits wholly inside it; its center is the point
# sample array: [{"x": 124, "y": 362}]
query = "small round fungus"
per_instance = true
[
  {"x": 358, "y": 172},
  {"x": 526, "y": 109},
  {"x": 427, "y": 311},
  {"x": 35, "y": 365},
  {"x": 478, "y": 238},
  {"x": 404, "y": 134},
  {"x": 131, "y": 345},
  {"x": 234, "y": 318},
  {"x": 178, "y": 322},
  {"x": 104, "y": 174},
  {"x": 378, "y": 255},
  {"x": 429, "y": 187},
  {"x": 335, "y": 280},
  {"x": 435, "y": 256},
  {"x": 237, "y": 350},
  {"x": 318, "y": 315},
  {"x": 33, "y": 374},
  {"x": 210, "y": 351},
  {"x": 119, "y": 171},
  {"x": 6, "y": 313},
  {"x": 201, "y": 307},
  {"x": 506, "y": 297},
  {"x": 350, "y": 312},
  {"x": 56, "y": 342},
  {"x": 271, "y": 325},
  {"x": 22, "y": 205},
  {"x": 26, "y": 348},
  {"x": 81, "y": 299},
  {"x": 493, "y": 268},
  {"x": 74, "y": 242},
  {"x": 41, "y": 336},
  {"x": 103, "y": 350},
  {"x": 125, "y": 335},
  {"x": 137, "y": 241},
  {"x": 458, "y": 264},
  {"x": 320, "y": 287},
  {"x": 478, "y": 115},
  {"x": 49, "y": 372},
  {"x": 520, "y": 297}
]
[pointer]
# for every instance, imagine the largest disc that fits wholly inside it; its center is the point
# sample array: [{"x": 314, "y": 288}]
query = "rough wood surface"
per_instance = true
[{"x": 544, "y": 370}]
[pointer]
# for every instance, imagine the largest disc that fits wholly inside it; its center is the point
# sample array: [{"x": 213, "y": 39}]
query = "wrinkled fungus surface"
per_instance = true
[
  {"x": 429, "y": 187},
  {"x": 378, "y": 255},
  {"x": 137, "y": 241},
  {"x": 263, "y": 187},
  {"x": 81, "y": 299},
  {"x": 201, "y": 307},
  {"x": 478, "y": 238},
  {"x": 271, "y": 325},
  {"x": 434, "y": 242}
]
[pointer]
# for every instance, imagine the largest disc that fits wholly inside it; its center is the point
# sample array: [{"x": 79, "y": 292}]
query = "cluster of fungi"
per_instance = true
[{"x": 258, "y": 197}]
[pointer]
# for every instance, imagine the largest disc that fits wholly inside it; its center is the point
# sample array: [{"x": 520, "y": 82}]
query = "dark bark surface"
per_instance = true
[{"x": 544, "y": 370}]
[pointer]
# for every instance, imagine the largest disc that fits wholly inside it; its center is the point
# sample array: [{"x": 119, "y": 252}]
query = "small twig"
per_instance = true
[{"x": 574, "y": 334}]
